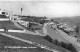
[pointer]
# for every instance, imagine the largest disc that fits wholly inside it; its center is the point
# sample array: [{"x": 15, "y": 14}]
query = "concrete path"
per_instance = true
[
  {"x": 45, "y": 28},
  {"x": 15, "y": 23}
]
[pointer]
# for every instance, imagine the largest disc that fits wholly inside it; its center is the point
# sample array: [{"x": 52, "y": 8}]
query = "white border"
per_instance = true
[{"x": 44, "y": 0}]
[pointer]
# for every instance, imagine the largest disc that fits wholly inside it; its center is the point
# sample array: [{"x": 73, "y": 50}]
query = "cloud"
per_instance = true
[
  {"x": 55, "y": 9},
  {"x": 43, "y": 8}
]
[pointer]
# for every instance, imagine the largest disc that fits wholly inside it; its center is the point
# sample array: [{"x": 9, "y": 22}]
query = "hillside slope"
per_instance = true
[
  {"x": 38, "y": 39},
  {"x": 6, "y": 41}
]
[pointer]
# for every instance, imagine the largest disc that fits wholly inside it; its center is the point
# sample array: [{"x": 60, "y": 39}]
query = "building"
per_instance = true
[
  {"x": 5, "y": 12},
  {"x": 24, "y": 23},
  {"x": 4, "y": 15}
]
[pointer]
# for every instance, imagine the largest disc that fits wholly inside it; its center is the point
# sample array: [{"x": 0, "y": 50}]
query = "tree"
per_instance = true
[
  {"x": 42, "y": 21},
  {"x": 71, "y": 48},
  {"x": 77, "y": 29},
  {"x": 29, "y": 25},
  {"x": 63, "y": 44},
  {"x": 56, "y": 42},
  {"x": 68, "y": 46},
  {"x": 47, "y": 37}
]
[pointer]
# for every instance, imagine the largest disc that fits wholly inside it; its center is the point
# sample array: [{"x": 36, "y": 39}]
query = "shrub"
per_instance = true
[
  {"x": 69, "y": 46},
  {"x": 56, "y": 42},
  {"x": 63, "y": 44},
  {"x": 47, "y": 37},
  {"x": 77, "y": 29}
]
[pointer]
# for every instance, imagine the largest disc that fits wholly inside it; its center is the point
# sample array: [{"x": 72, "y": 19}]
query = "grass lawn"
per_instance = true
[
  {"x": 8, "y": 25},
  {"x": 37, "y": 39},
  {"x": 6, "y": 41}
]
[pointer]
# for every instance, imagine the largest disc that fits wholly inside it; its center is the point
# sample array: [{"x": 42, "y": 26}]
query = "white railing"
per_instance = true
[
  {"x": 9, "y": 30},
  {"x": 19, "y": 31},
  {"x": 4, "y": 19},
  {"x": 1, "y": 29}
]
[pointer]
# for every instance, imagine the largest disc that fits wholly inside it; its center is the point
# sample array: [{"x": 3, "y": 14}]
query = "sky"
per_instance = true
[{"x": 56, "y": 8}]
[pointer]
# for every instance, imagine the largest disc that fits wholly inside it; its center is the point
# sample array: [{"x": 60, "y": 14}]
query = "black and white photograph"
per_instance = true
[{"x": 39, "y": 25}]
